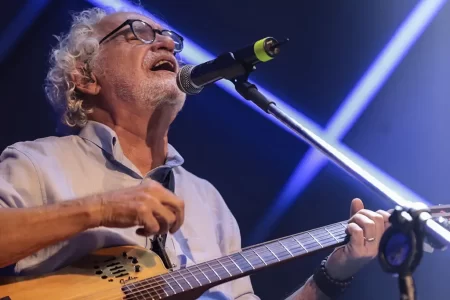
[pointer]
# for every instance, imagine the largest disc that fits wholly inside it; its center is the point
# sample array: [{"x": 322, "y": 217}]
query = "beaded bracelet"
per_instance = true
[{"x": 328, "y": 285}]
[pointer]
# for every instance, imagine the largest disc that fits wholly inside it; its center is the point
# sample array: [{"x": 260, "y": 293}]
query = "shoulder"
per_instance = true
[
  {"x": 42, "y": 146},
  {"x": 42, "y": 152}
]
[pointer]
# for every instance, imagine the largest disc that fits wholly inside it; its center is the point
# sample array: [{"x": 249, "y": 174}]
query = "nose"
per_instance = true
[{"x": 163, "y": 42}]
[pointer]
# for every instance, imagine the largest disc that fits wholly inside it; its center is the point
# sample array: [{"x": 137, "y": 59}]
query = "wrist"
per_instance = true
[
  {"x": 92, "y": 211},
  {"x": 328, "y": 285},
  {"x": 338, "y": 265}
]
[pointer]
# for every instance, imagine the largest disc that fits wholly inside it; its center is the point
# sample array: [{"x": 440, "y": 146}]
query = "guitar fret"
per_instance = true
[
  {"x": 201, "y": 271},
  {"x": 144, "y": 292},
  {"x": 264, "y": 262},
  {"x": 300, "y": 244},
  {"x": 272, "y": 252},
  {"x": 229, "y": 257},
  {"x": 170, "y": 286},
  {"x": 224, "y": 267},
  {"x": 281, "y": 251},
  {"x": 266, "y": 254},
  {"x": 179, "y": 272},
  {"x": 314, "y": 239},
  {"x": 210, "y": 272},
  {"x": 199, "y": 283},
  {"x": 223, "y": 272},
  {"x": 247, "y": 259},
  {"x": 332, "y": 235},
  {"x": 163, "y": 287},
  {"x": 281, "y": 243},
  {"x": 241, "y": 262},
  {"x": 176, "y": 281},
  {"x": 149, "y": 291},
  {"x": 230, "y": 266},
  {"x": 214, "y": 271},
  {"x": 153, "y": 282},
  {"x": 127, "y": 289},
  {"x": 336, "y": 229},
  {"x": 324, "y": 236},
  {"x": 292, "y": 246},
  {"x": 238, "y": 263},
  {"x": 143, "y": 296},
  {"x": 135, "y": 291}
]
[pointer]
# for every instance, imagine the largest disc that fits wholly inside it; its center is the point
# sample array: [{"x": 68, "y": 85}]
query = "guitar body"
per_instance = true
[{"x": 100, "y": 275}]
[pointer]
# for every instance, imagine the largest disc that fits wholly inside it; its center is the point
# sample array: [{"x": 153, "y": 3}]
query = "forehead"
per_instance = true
[{"x": 110, "y": 22}]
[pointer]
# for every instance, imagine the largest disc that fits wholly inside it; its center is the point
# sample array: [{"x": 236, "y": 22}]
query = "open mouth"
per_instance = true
[{"x": 164, "y": 65}]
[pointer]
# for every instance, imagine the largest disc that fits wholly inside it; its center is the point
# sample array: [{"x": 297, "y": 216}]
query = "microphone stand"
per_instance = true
[{"x": 401, "y": 247}]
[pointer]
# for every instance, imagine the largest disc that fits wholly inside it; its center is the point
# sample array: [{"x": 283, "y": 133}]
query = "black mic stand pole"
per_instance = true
[{"x": 401, "y": 247}]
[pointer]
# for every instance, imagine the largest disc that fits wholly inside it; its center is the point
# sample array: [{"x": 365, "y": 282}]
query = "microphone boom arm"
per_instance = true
[
  {"x": 250, "y": 92},
  {"x": 401, "y": 247}
]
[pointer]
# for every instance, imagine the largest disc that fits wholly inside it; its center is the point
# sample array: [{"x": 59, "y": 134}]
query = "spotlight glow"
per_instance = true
[
  {"x": 341, "y": 122},
  {"x": 350, "y": 110}
]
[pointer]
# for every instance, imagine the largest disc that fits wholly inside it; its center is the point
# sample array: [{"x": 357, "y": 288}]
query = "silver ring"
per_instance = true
[{"x": 369, "y": 240}]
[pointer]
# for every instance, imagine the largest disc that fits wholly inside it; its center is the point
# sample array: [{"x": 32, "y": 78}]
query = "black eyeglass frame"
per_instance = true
[{"x": 155, "y": 31}]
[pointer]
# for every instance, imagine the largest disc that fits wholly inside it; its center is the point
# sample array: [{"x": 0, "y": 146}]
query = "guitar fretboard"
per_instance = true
[{"x": 238, "y": 264}]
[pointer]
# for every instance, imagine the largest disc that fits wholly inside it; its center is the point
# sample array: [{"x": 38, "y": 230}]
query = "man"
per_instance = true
[{"x": 113, "y": 77}]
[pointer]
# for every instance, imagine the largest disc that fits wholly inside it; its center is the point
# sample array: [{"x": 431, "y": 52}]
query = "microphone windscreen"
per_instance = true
[{"x": 185, "y": 83}]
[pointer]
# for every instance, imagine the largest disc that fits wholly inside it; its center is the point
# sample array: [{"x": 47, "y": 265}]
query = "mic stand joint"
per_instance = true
[
  {"x": 249, "y": 91},
  {"x": 401, "y": 248}
]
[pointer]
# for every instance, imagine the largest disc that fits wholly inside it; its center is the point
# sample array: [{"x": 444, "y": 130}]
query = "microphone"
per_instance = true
[{"x": 191, "y": 79}]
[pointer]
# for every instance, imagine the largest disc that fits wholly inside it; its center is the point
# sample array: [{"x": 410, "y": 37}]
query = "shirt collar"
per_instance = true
[{"x": 106, "y": 139}]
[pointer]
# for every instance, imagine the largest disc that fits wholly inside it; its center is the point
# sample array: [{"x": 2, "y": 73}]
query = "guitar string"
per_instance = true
[
  {"x": 164, "y": 290},
  {"x": 199, "y": 266},
  {"x": 171, "y": 283},
  {"x": 164, "y": 293},
  {"x": 151, "y": 289}
]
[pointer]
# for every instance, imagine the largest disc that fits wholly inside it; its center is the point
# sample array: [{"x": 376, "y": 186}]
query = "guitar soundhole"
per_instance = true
[{"x": 110, "y": 280}]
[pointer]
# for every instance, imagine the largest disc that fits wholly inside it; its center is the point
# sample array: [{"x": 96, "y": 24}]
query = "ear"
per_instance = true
[{"x": 85, "y": 80}]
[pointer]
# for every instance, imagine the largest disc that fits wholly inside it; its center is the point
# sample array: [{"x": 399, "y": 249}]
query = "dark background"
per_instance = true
[{"x": 249, "y": 158}]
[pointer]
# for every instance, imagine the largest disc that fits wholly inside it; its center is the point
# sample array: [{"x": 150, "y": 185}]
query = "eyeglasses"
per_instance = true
[{"x": 147, "y": 34}]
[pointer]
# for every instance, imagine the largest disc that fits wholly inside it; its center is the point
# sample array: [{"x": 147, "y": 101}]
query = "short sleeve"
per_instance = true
[{"x": 19, "y": 180}]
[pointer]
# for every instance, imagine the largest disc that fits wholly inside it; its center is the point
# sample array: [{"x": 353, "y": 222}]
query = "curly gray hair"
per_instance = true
[{"x": 72, "y": 57}]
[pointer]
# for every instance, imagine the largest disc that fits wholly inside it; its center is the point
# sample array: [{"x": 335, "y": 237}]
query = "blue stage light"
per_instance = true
[{"x": 351, "y": 108}]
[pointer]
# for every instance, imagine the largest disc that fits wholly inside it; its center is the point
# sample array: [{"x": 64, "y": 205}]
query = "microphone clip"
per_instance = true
[{"x": 265, "y": 50}]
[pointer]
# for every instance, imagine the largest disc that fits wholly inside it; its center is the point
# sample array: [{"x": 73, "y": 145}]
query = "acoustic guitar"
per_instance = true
[{"x": 131, "y": 272}]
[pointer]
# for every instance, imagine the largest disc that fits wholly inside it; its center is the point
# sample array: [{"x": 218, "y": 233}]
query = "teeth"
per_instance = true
[{"x": 163, "y": 62}]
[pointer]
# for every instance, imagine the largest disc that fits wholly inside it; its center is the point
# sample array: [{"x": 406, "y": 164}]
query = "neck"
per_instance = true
[
  {"x": 143, "y": 138},
  {"x": 240, "y": 264}
]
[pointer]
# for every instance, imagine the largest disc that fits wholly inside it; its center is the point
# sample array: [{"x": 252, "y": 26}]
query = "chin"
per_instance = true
[
  {"x": 172, "y": 97},
  {"x": 163, "y": 91}
]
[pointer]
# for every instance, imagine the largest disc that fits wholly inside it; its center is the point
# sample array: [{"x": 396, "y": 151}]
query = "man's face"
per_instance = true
[{"x": 126, "y": 68}]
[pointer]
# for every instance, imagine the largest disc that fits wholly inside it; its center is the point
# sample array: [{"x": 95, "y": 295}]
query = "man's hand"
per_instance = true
[
  {"x": 149, "y": 205},
  {"x": 365, "y": 229}
]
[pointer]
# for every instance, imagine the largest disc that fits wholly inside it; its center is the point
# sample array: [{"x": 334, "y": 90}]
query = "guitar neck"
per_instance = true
[{"x": 242, "y": 263}]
